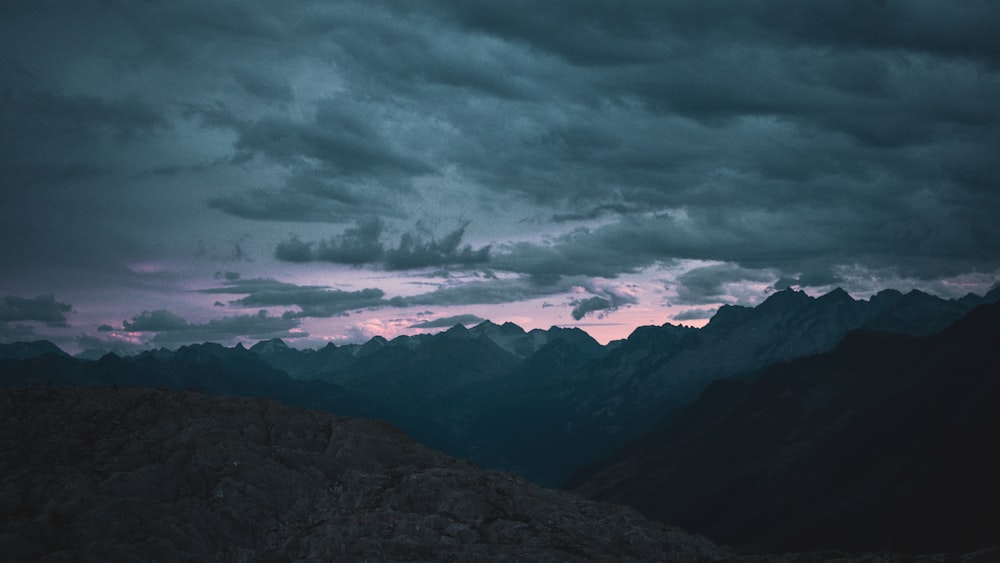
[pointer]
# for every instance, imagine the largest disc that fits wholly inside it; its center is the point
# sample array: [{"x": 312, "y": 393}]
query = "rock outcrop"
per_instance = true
[{"x": 141, "y": 474}]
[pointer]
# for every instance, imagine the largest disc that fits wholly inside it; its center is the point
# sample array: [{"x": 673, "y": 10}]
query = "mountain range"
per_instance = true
[
  {"x": 543, "y": 403},
  {"x": 886, "y": 442},
  {"x": 209, "y": 368},
  {"x": 540, "y": 403},
  {"x": 800, "y": 424}
]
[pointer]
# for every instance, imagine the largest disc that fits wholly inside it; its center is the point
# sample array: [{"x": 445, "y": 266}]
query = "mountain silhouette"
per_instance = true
[
  {"x": 659, "y": 369},
  {"x": 209, "y": 368},
  {"x": 885, "y": 443},
  {"x": 24, "y": 350}
]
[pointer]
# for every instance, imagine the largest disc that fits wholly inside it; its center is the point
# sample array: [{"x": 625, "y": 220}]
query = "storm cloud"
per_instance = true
[
  {"x": 362, "y": 244},
  {"x": 169, "y": 329},
  {"x": 312, "y": 301},
  {"x": 709, "y": 284},
  {"x": 696, "y": 148},
  {"x": 695, "y": 314},
  {"x": 606, "y": 300},
  {"x": 159, "y": 320},
  {"x": 43, "y": 308}
]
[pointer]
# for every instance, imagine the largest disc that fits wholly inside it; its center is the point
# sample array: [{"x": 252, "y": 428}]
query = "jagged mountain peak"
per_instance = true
[
  {"x": 376, "y": 343},
  {"x": 728, "y": 316},
  {"x": 202, "y": 347},
  {"x": 652, "y": 336},
  {"x": 786, "y": 299},
  {"x": 110, "y": 359},
  {"x": 889, "y": 293},
  {"x": 457, "y": 330},
  {"x": 510, "y": 337},
  {"x": 886, "y": 298},
  {"x": 921, "y": 295},
  {"x": 836, "y": 295},
  {"x": 272, "y": 345}
]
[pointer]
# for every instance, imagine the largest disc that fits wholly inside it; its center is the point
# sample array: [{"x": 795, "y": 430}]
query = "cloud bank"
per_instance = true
[{"x": 548, "y": 145}]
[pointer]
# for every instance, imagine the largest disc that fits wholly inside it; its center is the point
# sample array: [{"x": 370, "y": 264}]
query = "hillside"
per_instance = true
[
  {"x": 139, "y": 474},
  {"x": 887, "y": 442}
]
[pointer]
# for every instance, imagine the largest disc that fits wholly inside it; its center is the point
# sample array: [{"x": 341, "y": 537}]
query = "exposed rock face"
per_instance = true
[{"x": 139, "y": 474}]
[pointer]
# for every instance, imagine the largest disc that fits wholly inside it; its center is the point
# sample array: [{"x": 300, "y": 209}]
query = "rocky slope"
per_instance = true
[{"x": 140, "y": 474}]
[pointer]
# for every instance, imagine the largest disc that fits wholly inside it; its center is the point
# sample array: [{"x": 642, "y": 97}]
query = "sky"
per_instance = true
[{"x": 176, "y": 172}]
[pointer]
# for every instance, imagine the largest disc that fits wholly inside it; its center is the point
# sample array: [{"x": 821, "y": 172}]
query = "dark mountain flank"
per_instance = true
[
  {"x": 887, "y": 442},
  {"x": 461, "y": 390},
  {"x": 138, "y": 474},
  {"x": 23, "y": 350}
]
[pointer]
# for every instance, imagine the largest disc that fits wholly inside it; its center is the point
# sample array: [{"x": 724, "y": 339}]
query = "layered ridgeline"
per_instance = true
[
  {"x": 541, "y": 403},
  {"x": 888, "y": 442},
  {"x": 101, "y": 474}
]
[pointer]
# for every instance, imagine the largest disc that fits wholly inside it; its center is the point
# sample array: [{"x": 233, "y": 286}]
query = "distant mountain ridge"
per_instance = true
[
  {"x": 209, "y": 368},
  {"x": 335, "y": 363},
  {"x": 541, "y": 403},
  {"x": 658, "y": 369},
  {"x": 22, "y": 350}
]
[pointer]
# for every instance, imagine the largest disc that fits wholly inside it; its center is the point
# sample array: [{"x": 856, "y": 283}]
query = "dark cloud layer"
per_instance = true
[
  {"x": 362, "y": 244},
  {"x": 324, "y": 302},
  {"x": 171, "y": 329},
  {"x": 695, "y": 314},
  {"x": 312, "y": 301},
  {"x": 494, "y": 291},
  {"x": 708, "y": 284},
  {"x": 605, "y": 301},
  {"x": 43, "y": 308},
  {"x": 783, "y": 142},
  {"x": 114, "y": 345},
  {"x": 159, "y": 320},
  {"x": 17, "y": 332},
  {"x": 584, "y": 307}
]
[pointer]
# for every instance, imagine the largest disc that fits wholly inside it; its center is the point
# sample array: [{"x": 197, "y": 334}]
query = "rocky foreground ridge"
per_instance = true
[
  {"x": 103, "y": 474},
  {"x": 141, "y": 474}
]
